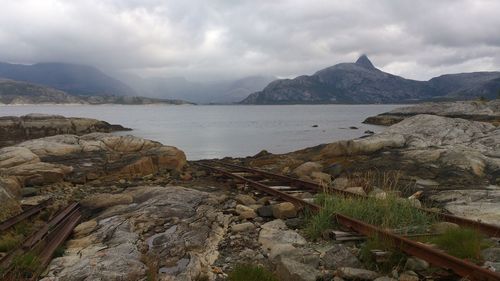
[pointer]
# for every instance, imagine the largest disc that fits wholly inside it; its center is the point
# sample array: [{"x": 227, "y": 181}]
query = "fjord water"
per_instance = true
[{"x": 215, "y": 131}]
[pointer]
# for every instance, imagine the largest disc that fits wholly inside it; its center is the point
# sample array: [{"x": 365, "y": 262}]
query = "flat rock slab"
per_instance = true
[{"x": 176, "y": 227}]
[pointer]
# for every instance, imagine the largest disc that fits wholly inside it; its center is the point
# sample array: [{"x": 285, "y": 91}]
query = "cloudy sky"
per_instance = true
[{"x": 215, "y": 39}]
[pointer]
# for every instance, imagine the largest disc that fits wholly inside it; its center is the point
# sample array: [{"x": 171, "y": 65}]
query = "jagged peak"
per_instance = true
[{"x": 365, "y": 62}]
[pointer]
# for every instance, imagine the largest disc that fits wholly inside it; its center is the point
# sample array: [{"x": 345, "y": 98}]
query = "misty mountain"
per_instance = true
[
  {"x": 362, "y": 82},
  {"x": 227, "y": 91},
  {"x": 20, "y": 92},
  {"x": 71, "y": 78},
  {"x": 17, "y": 92}
]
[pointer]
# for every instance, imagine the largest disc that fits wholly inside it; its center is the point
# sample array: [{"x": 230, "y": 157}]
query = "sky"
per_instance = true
[{"x": 205, "y": 40}]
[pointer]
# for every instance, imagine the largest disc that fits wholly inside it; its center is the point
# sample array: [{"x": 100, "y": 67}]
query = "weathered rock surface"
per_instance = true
[
  {"x": 18, "y": 129},
  {"x": 171, "y": 231},
  {"x": 459, "y": 157},
  {"x": 78, "y": 159},
  {"x": 471, "y": 110}
]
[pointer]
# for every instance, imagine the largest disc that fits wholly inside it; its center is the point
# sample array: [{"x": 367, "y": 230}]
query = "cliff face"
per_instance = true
[
  {"x": 361, "y": 82},
  {"x": 18, "y": 129}
]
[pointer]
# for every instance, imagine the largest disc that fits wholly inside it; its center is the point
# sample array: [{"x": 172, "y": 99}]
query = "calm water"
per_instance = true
[{"x": 217, "y": 131}]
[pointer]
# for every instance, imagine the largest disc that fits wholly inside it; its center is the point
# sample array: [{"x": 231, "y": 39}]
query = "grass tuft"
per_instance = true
[
  {"x": 8, "y": 242},
  {"x": 462, "y": 243},
  {"x": 26, "y": 264},
  {"x": 247, "y": 272},
  {"x": 392, "y": 212}
]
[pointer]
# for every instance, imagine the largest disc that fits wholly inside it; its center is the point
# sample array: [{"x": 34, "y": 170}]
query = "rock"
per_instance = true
[
  {"x": 442, "y": 227},
  {"x": 280, "y": 249},
  {"x": 245, "y": 199},
  {"x": 384, "y": 278},
  {"x": 471, "y": 110},
  {"x": 493, "y": 266},
  {"x": 321, "y": 178},
  {"x": 416, "y": 264},
  {"x": 29, "y": 191},
  {"x": 245, "y": 212},
  {"x": 105, "y": 200},
  {"x": 85, "y": 228},
  {"x": 408, "y": 276},
  {"x": 341, "y": 183},
  {"x": 265, "y": 211},
  {"x": 295, "y": 223},
  {"x": 284, "y": 210},
  {"x": 32, "y": 126},
  {"x": 291, "y": 270},
  {"x": 307, "y": 168},
  {"x": 77, "y": 159},
  {"x": 353, "y": 127},
  {"x": 242, "y": 227},
  {"x": 276, "y": 232},
  {"x": 339, "y": 256},
  {"x": 356, "y": 273},
  {"x": 125, "y": 243},
  {"x": 334, "y": 170},
  {"x": 356, "y": 190},
  {"x": 491, "y": 254}
]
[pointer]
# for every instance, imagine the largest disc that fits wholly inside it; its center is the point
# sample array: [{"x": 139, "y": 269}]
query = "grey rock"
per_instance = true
[
  {"x": 29, "y": 191},
  {"x": 491, "y": 254},
  {"x": 357, "y": 273},
  {"x": 416, "y": 264},
  {"x": 291, "y": 270},
  {"x": 265, "y": 211},
  {"x": 340, "y": 255}
]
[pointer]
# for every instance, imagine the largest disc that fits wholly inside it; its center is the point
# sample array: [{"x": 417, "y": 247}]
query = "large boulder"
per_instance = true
[{"x": 17, "y": 129}]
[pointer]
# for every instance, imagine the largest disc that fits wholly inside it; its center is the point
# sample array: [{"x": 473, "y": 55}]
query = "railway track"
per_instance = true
[
  {"x": 257, "y": 178},
  {"x": 31, "y": 211},
  {"x": 42, "y": 243}
]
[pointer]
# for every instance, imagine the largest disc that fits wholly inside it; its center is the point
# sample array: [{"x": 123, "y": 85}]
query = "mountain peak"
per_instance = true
[{"x": 365, "y": 62}]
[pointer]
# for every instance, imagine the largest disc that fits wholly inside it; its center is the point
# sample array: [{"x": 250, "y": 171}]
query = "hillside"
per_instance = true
[
  {"x": 16, "y": 92},
  {"x": 361, "y": 82},
  {"x": 71, "y": 78},
  {"x": 19, "y": 92}
]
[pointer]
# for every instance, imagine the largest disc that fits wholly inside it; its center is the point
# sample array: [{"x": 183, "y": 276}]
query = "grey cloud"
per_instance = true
[{"x": 204, "y": 40}]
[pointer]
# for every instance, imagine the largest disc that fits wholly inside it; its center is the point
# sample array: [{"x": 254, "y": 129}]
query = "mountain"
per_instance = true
[
  {"x": 226, "y": 91},
  {"x": 16, "y": 92},
  {"x": 71, "y": 78},
  {"x": 362, "y": 82},
  {"x": 20, "y": 92}
]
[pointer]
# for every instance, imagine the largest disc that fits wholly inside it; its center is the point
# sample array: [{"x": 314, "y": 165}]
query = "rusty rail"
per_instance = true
[
  {"x": 433, "y": 256},
  {"x": 45, "y": 241},
  {"x": 487, "y": 229},
  {"x": 24, "y": 215}
]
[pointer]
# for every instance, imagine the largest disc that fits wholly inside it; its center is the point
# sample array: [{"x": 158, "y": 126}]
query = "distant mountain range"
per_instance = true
[
  {"x": 72, "y": 78},
  {"x": 19, "y": 92},
  {"x": 225, "y": 91},
  {"x": 361, "y": 82}
]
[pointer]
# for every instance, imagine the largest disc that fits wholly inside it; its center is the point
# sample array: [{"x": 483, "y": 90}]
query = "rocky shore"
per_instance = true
[
  {"x": 151, "y": 215},
  {"x": 485, "y": 111},
  {"x": 18, "y": 129}
]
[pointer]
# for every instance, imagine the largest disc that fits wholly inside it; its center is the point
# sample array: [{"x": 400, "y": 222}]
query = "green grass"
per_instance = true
[
  {"x": 8, "y": 242},
  {"x": 247, "y": 272},
  {"x": 462, "y": 243},
  {"x": 26, "y": 264},
  {"x": 391, "y": 212}
]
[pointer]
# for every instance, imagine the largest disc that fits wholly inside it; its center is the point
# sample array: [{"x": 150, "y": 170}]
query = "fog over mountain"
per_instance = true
[{"x": 207, "y": 41}]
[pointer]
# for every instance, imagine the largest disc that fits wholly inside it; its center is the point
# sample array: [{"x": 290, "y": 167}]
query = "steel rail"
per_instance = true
[
  {"x": 486, "y": 228},
  {"x": 24, "y": 215},
  {"x": 433, "y": 256}
]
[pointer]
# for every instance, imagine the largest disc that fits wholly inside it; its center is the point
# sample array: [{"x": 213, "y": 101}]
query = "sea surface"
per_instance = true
[{"x": 214, "y": 131}]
